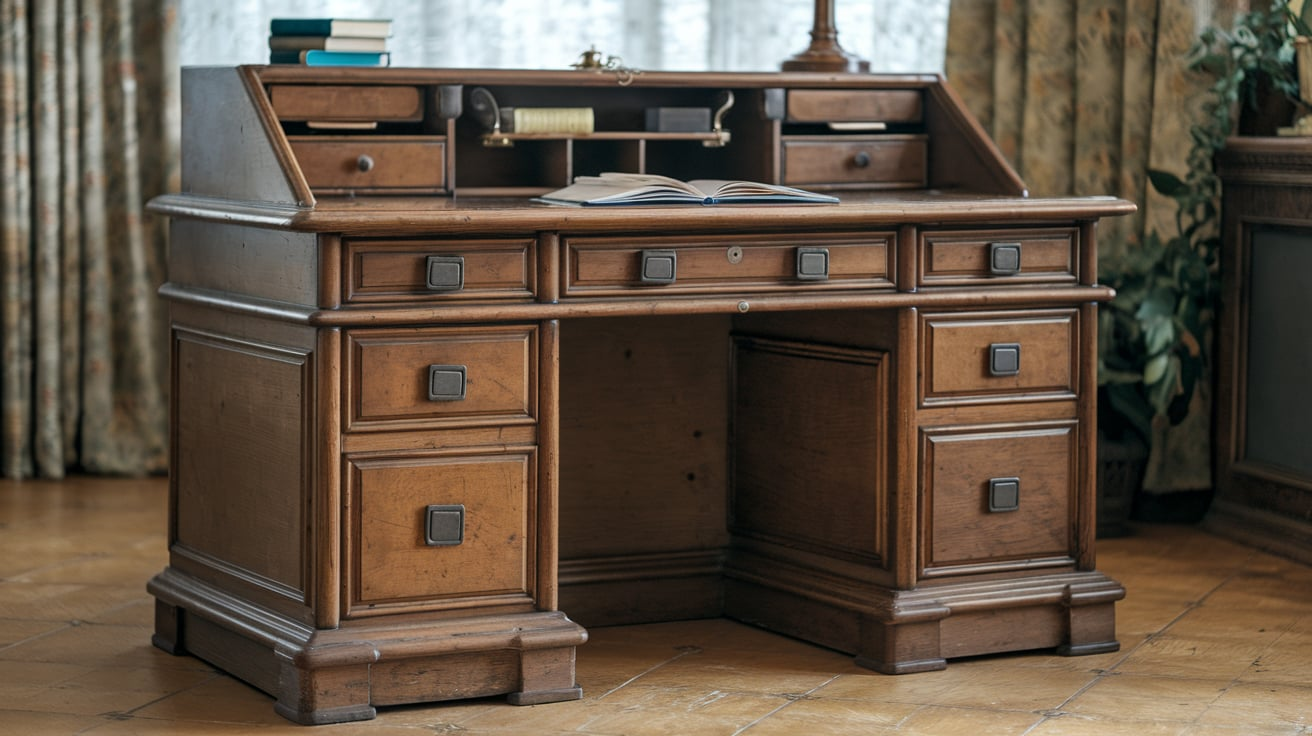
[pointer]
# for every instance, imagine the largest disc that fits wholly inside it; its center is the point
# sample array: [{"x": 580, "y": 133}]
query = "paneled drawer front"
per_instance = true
[
  {"x": 973, "y": 357},
  {"x": 372, "y": 162},
  {"x": 615, "y": 266},
  {"x": 1002, "y": 257},
  {"x": 851, "y": 105},
  {"x": 354, "y": 103},
  {"x": 432, "y": 377},
  {"x": 411, "y": 271},
  {"x": 440, "y": 531},
  {"x": 998, "y": 498},
  {"x": 894, "y": 161}
]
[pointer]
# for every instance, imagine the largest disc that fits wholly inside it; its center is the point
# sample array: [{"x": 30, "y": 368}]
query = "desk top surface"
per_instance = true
[{"x": 406, "y": 214}]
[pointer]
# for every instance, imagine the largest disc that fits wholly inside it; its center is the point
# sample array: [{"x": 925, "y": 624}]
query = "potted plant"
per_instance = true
[{"x": 1155, "y": 337}]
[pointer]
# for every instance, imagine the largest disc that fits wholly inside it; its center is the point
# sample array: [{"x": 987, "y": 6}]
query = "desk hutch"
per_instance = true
[{"x": 426, "y": 429}]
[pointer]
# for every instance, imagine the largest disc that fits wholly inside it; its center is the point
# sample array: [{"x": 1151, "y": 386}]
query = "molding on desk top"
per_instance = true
[
  {"x": 396, "y": 215},
  {"x": 650, "y": 305}
]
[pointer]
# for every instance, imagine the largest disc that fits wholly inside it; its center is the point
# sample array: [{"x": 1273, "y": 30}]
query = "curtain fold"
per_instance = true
[
  {"x": 90, "y": 97},
  {"x": 1083, "y": 97}
]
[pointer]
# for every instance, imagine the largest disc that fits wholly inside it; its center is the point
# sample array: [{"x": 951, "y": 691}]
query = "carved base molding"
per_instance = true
[{"x": 335, "y": 675}]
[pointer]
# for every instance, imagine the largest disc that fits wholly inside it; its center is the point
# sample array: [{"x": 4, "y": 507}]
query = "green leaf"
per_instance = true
[
  {"x": 1166, "y": 183},
  {"x": 1156, "y": 369},
  {"x": 1159, "y": 303},
  {"x": 1159, "y": 336}
]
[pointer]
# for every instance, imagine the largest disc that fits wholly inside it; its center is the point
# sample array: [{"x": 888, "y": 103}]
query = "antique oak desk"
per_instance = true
[{"x": 426, "y": 429}]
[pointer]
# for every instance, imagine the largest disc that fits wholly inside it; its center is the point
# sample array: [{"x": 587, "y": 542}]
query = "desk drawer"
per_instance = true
[
  {"x": 741, "y": 264},
  {"x": 974, "y": 357},
  {"x": 437, "y": 377},
  {"x": 854, "y": 106},
  {"x": 408, "y": 163},
  {"x": 347, "y": 103},
  {"x": 439, "y": 270},
  {"x": 444, "y": 531},
  {"x": 999, "y": 497},
  {"x": 892, "y": 162},
  {"x": 1001, "y": 257}
]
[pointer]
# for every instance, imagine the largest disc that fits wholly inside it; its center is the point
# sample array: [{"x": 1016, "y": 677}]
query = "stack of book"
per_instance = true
[{"x": 330, "y": 41}]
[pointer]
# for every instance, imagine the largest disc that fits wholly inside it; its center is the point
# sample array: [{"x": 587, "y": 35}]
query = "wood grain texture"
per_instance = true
[
  {"x": 809, "y": 455},
  {"x": 389, "y": 372},
  {"x": 960, "y": 530},
  {"x": 326, "y": 102},
  {"x": 825, "y": 162},
  {"x": 1260, "y": 499},
  {"x": 395, "y": 271},
  {"x": 960, "y": 258}
]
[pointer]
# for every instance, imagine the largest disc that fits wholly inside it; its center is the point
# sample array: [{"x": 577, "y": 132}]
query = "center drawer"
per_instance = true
[
  {"x": 441, "y": 377},
  {"x": 609, "y": 266}
]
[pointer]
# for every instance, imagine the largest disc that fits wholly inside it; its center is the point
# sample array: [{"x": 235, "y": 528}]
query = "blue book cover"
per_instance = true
[
  {"x": 318, "y": 57},
  {"x": 351, "y": 27}
]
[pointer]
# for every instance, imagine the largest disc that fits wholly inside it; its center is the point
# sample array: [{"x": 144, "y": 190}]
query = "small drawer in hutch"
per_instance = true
[
  {"x": 383, "y": 163},
  {"x": 973, "y": 357},
  {"x": 887, "y": 161},
  {"x": 441, "y": 531},
  {"x": 441, "y": 377},
  {"x": 618, "y": 266},
  {"x": 999, "y": 257},
  {"x": 854, "y": 106},
  {"x": 439, "y": 270},
  {"x": 347, "y": 103},
  {"x": 998, "y": 497}
]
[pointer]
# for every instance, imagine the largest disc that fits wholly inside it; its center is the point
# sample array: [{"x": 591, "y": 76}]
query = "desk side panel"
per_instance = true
[
  {"x": 232, "y": 145},
  {"x": 241, "y": 261}
]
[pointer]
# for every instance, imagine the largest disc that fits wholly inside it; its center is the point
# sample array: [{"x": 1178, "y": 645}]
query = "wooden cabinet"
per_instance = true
[
  {"x": 427, "y": 429},
  {"x": 1264, "y": 401}
]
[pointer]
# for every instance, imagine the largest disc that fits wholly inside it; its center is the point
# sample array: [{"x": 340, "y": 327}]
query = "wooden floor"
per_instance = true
[{"x": 1216, "y": 640}]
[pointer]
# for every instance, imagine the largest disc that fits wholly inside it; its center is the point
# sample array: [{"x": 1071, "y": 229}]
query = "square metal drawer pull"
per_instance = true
[
  {"x": 812, "y": 264},
  {"x": 1004, "y": 494},
  {"x": 444, "y": 525},
  {"x": 1004, "y": 359},
  {"x": 446, "y": 382},
  {"x": 445, "y": 273},
  {"x": 659, "y": 266},
  {"x": 1004, "y": 259}
]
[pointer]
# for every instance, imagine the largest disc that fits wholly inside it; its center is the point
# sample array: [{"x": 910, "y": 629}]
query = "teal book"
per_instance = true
[
  {"x": 318, "y": 57},
  {"x": 349, "y": 27}
]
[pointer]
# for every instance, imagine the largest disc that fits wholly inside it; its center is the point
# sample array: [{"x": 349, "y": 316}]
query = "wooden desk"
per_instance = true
[{"x": 418, "y": 418}]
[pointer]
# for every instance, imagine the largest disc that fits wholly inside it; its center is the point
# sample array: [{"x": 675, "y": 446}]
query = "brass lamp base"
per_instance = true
[{"x": 824, "y": 53}]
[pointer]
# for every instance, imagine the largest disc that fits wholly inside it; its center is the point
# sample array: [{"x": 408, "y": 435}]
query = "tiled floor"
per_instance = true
[{"x": 1216, "y": 640}]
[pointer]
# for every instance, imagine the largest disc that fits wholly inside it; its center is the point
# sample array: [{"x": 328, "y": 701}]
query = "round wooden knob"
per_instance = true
[
  {"x": 364, "y": 163},
  {"x": 861, "y": 160}
]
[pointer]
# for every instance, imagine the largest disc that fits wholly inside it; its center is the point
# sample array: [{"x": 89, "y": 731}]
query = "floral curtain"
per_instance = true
[
  {"x": 88, "y": 134},
  {"x": 1083, "y": 98}
]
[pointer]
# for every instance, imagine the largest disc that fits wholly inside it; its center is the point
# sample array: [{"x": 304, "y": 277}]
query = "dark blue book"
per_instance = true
[
  {"x": 318, "y": 57},
  {"x": 349, "y": 27}
]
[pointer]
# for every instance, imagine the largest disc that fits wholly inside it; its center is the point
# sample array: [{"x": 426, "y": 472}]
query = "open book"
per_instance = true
[{"x": 630, "y": 189}]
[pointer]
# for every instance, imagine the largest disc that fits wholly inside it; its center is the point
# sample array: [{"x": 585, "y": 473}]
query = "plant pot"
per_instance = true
[
  {"x": 1121, "y": 463},
  {"x": 1273, "y": 110}
]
